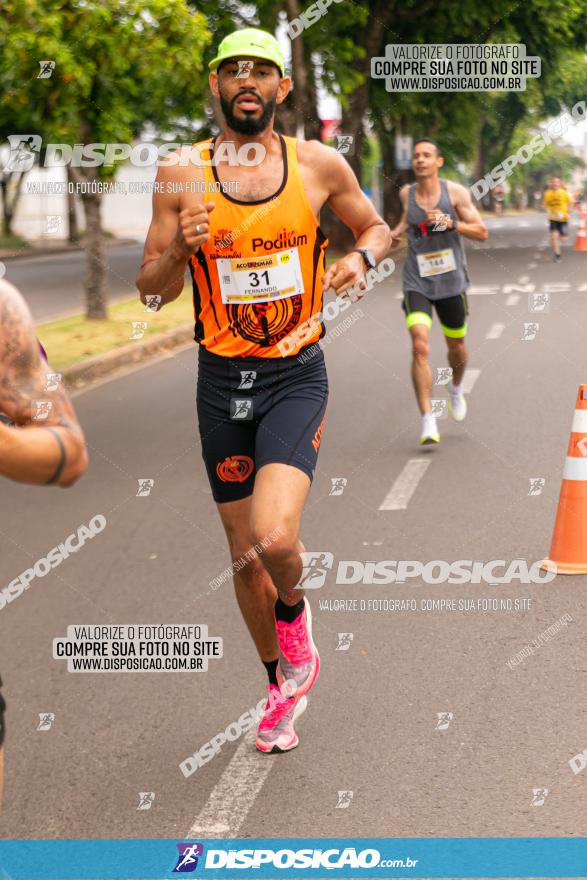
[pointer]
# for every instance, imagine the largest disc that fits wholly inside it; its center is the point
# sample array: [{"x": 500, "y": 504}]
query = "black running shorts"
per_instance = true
[
  {"x": 452, "y": 312},
  {"x": 559, "y": 226},
  {"x": 257, "y": 411}
]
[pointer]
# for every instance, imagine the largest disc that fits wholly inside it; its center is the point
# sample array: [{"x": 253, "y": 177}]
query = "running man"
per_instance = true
[
  {"x": 557, "y": 202},
  {"x": 256, "y": 257},
  {"x": 47, "y": 451},
  {"x": 436, "y": 213}
]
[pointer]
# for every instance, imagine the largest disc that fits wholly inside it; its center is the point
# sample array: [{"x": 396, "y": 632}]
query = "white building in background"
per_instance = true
[{"x": 124, "y": 215}]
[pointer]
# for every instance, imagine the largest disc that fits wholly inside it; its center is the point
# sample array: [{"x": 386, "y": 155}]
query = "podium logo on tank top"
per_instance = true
[{"x": 283, "y": 240}]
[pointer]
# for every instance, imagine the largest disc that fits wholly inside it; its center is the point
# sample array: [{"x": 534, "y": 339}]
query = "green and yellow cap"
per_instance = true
[{"x": 251, "y": 42}]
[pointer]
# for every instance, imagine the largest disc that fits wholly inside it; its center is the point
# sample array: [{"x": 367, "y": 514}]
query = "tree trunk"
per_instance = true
[
  {"x": 481, "y": 163},
  {"x": 9, "y": 183},
  {"x": 352, "y": 123},
  {"x": 72, "y": 224},
  {"x": 312, "y": 121},
  {"x": 299, "y": 71},
  {"x": 96, "y": 308},
  {"x": 95, "y": 259},
  {"x": 393, "y": 180},
  {"x": 372, "y": 38},
  {"x": 5, "y": 212},
  {"x": 285, "y": 117},
  {"x": 340, "y": 238}
]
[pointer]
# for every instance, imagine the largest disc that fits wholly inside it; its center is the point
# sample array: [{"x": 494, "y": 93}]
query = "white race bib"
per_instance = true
[
  {"x": 559, "y": 216},
  {"x": 436, "y": 263},
  {"x": 260, "y": 279}
]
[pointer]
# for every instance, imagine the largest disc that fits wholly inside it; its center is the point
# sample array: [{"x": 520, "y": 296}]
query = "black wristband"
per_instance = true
[{"x": 62, "y": 459}]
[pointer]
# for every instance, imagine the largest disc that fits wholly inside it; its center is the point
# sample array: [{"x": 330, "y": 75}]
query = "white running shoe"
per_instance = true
[
  {"x": 457, "y": 403},
  {"x": 429, "y": 430}
]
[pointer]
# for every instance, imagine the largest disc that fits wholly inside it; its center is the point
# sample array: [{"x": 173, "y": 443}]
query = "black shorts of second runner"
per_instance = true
[
  {"x": 257, "y": 411},
  {"x": 559, "y": 226},
  {"x": 452, "y": 312}
]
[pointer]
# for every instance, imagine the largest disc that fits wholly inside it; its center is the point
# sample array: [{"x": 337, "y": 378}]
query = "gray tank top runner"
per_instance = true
[{"x": 450, "y": 283}]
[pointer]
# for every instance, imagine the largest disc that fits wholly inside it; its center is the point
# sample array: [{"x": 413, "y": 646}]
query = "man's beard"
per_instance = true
[{"x": 248, "y": 125}]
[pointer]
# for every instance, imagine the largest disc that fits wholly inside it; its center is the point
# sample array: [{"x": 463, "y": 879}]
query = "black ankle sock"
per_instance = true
[
  {"x": 271, "y": 668},
  {"x": 288, "y": 613}
]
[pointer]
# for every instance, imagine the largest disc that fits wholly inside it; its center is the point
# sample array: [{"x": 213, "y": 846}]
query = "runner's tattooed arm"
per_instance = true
[{"x": 45, "y": 444}]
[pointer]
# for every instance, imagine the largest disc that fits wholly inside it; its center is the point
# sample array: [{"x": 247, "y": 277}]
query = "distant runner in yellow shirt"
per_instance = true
[{"x": 557, "y": 202}]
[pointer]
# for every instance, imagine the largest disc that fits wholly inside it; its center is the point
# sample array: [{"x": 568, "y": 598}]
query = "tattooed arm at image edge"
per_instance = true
[{"x": 23, "y": 375}]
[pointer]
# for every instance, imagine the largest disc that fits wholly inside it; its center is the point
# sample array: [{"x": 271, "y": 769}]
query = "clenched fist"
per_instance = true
[
  {"x": 193, "y": 229},
  {"x": 347, "y": 276}
]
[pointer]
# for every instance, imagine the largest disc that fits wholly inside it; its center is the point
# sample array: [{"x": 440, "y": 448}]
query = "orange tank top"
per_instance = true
[{"x": 256, "y": 281}]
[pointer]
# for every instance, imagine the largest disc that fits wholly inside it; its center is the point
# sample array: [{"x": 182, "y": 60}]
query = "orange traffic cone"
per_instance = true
[
  {"x": 581, "y": 240},
  {"x": 568, "y": 550}
]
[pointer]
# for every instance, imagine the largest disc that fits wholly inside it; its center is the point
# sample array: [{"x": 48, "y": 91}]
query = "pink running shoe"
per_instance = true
[
  {"x": 299, "y": 661},
  {"x": 276, "y": 731}
]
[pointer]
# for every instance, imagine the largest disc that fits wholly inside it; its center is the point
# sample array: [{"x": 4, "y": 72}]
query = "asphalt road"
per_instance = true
[
  {"x": 372, "y": 719},
  {"x": 53, "y": 285}
]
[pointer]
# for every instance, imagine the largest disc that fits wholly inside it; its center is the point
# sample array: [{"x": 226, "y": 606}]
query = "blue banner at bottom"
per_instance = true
[{"x": 366, "y": 858}]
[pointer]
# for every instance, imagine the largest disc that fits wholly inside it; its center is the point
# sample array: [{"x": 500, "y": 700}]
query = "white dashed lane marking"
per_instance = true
[
  {"x": 406, "y": 484},
  {"x": 235, "y": 792},
  {"x": 469, "y": 380},
  {"x": 495, "y": 331}
]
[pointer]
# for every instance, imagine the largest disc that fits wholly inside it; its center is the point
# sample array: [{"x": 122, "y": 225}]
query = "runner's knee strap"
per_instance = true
[
  {"x": 455, "y": 333},
  {"x": 414, "y": 318}
]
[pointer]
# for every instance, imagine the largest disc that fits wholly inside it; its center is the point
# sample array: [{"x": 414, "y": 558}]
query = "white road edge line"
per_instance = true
[
  {"x": 235, "y": 792},
  {"x": 405, "y": 485},
  {"x": 469, "y": 380},
  {"x": 495, "y": 331}
]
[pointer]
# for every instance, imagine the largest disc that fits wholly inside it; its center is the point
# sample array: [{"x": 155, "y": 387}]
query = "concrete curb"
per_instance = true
[{"x": 102, "y": 365}]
